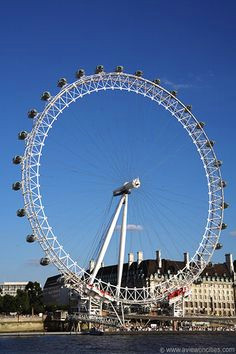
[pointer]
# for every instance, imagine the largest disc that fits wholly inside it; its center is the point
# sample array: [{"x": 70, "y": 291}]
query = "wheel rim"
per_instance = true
[{"x": 73, "y": 273}]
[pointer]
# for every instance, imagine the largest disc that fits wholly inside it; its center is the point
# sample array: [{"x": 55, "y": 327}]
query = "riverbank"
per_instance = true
[
  {"x": 115, "y": 333},
  {"x": 13, "y": 327},
  {"x": 10, "y": 324}
]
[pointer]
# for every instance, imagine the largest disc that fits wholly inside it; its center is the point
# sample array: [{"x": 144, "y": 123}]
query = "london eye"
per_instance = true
[{"x": 75, "y": 275}]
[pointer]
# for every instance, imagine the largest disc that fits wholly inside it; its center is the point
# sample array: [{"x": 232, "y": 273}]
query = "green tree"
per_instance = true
[
  {"x": 9, "y": 304},
  {"x": 35, "y": 295},
  {"x": 22, "y": 302},
  {"x": 1, "y": 304}
]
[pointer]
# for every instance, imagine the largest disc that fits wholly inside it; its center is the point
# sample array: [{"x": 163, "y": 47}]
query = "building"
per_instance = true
[
  {"x": 10, "y": 288},
  {"x": 54, "y": 293},
  {"x": 213, "y": 294}
]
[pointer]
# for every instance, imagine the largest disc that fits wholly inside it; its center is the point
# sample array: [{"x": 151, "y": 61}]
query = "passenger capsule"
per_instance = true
[
  {"x": 200, "y": 125},
  {"x": 45, "y": 96},
  {"x": 218, "y": 246},
  {"x": 22, "y": 135},
  {"x": 174, "y": 93},
  {"x": 157, "y": 81},
  {"x": 188, "y": 108},
  {"x": 16, "y": 186},
  {"x": 17, "y": 160},
  {"x": 119, "y": 69},
  {"x": 223, "y": 226},
  {"x": 210, "y": 143},
  {"x": 61, "y": 280},
  {"x": 127, "y": 310},
  {"x": 138, "y": 73},
  {"x": 222, "y": 184},
  {"x": 224, "y": 205},
  {"x": 21, "y": 213},
  {"x": 32, "y": 113},
  {"x": 79, "y": 73},
  {"x": 31, "y": 238},
  {"x": 62, "y": 82},
  {"x": 99, "y": 69},
  {"x": 44, "y": 261},
  {"x": 217, "y": 163}
]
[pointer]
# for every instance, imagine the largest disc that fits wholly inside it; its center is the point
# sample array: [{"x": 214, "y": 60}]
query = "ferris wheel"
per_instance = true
[{"x": 76, "y": 276}]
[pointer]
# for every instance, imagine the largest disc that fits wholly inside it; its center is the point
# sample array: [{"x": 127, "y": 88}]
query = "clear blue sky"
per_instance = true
[{"x": 190, "y": 46}]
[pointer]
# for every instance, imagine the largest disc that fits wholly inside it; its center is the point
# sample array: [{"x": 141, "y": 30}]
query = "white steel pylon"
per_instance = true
[
  {"x": 122, "y": 243},
  {"x": 123, "y": 191}
]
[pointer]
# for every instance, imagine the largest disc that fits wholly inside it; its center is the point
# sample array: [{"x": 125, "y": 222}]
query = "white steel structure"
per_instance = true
[{"x": 75, "y": 276}]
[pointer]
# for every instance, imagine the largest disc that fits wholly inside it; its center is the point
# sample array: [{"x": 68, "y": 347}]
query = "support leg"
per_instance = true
[
  {"x": 122, "y": 244},
  {"x": 107, "y": 240}
]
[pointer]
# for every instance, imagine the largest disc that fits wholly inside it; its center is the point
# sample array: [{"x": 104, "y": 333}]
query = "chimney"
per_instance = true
[
  {"x": 158, "y": 258},
  {"x": 102, "y": 264},
  {"x": 229, "y": 262},
  {"x": 139, "y": 257},
  {"x": 91, "y": 265},
  {"x": 130, "y": 258},
  {"x": 186, "y": 259}
]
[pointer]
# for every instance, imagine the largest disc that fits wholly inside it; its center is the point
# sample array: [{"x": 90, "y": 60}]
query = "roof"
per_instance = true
[
  {"x": 219, "y": 269},
  {"x": 133, "y": 273},
  {"x": 52, "y": 281},
  {"x": 149, "y": 267},
  {"x": 14, "y": 283}
]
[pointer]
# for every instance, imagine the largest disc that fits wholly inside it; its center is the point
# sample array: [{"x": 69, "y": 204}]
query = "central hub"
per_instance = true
[{"x": 126, "y": 188}]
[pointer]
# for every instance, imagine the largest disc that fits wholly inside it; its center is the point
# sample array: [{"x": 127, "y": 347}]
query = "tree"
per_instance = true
[
  {"x": 1, "y": 304},
  {"x": 9, "y": 304},
  {"x": 35, "y": 295},
  {"x": 22, "y": 302}
]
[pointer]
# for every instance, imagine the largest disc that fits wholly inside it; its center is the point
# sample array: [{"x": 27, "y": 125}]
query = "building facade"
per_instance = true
[
  {"x": 54, "y": 293},
  {"x": 10, "y": 288},
  {"x": 212, "y": 294}
]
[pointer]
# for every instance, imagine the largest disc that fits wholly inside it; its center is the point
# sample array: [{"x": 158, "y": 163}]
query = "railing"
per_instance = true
[{"x": 108, "y": 321}]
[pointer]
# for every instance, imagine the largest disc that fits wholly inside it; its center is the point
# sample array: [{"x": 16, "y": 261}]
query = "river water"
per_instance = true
[{"x": 144, "y": 343}]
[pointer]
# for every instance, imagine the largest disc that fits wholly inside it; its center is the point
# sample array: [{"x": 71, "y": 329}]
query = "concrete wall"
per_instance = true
[
  {"x": 21, "y": 318},
  {"x": 23, "y": 324}
]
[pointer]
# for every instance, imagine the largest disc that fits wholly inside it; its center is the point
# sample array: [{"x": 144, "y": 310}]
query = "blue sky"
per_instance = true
[{"x": 190, "y": 46}]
